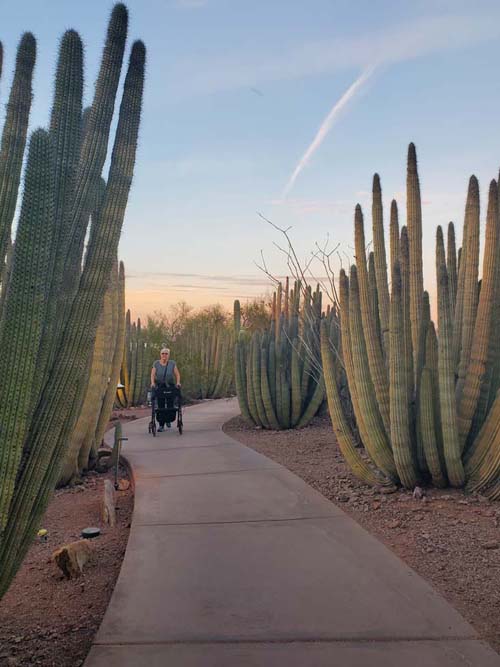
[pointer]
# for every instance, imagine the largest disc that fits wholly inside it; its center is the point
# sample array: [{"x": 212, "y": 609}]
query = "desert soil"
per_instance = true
[
  {"x": 452, "y": 540},
  {"x": 45, "y": 619}
]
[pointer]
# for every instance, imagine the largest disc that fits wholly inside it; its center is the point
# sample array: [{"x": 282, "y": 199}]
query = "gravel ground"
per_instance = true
[
  {"x": 46, "y": 620},
  {"x": 450, "y": 539}
]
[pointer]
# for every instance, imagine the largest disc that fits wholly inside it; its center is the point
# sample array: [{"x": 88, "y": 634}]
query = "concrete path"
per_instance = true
[{"x": 234, "y": 561}]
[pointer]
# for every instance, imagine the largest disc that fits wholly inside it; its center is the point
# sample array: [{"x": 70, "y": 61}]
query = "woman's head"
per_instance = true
[{"x": 164, "y": 353}]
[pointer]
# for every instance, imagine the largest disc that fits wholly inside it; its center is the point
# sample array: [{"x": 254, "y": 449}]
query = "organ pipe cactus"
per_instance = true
[
  {"x": 14, "y": 138},
  {"x": 471, "y": 268},
  {"x": 278, "y": 372},
  {"x": 400, "y": 415},
  {"x": 444, "y": 406},
  {"x": 477, "y": 371},
  {"x": 414, "y": 224},
  {"x": 380, "y": 262},
  {"x": 374, "y": 353},
  {"x": 32, "y": 459}
]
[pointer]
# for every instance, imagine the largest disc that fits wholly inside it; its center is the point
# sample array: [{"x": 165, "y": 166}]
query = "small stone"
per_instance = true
[
  {"x": 394, "y": 524},
  {"x": 388, "y": 489},
  {"x": 418, "y": 493},
  {"x": 376, "y": 506},
  {"x": 343, "y": 498},
  {"x": 490, "y": 545}
]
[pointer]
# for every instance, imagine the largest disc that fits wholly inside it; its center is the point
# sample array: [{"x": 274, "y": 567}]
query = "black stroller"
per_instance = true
[{"x": 166, "y": 407}]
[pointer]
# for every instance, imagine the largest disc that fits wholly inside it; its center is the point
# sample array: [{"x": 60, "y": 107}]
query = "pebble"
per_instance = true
[
  {"x": 490, "y": 545},
  {"x": 388, "y": 489}
]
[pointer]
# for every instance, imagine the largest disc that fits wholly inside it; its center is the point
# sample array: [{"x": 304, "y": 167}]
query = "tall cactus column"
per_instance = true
[
  {"x": 57, "y": 410},
  {"x": 14, "y": 138}
]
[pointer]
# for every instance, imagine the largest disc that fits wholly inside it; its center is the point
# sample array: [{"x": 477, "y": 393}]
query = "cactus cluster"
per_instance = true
[
  {"x": 203, "y": 351},
  {"x": 52, "y": 294},
  {"x": 426, "y": 404},
  {"x": 278, "y": 374}
]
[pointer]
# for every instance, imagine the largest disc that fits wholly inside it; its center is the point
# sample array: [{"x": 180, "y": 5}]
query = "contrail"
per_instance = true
[{"x": 326, "y": 126}]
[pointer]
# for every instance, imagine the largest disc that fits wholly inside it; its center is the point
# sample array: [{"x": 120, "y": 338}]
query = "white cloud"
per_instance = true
[{"x": 396, "y": 43}]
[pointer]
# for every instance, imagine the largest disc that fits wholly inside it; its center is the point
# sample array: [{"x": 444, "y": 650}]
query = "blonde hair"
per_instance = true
[{"x": 164, "y": 349}]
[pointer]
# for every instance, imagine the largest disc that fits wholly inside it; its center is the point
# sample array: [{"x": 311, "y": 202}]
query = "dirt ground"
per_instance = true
[
  {"x": 45, "y": 619},
  {"x": 450, "y": 539}
]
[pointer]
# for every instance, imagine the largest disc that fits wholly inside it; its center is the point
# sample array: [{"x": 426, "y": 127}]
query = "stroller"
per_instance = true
[{"x": 171, "y": 398}]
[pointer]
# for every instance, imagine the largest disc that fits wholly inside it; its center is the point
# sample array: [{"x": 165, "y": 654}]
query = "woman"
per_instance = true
[{"x": 164, "y": 375}]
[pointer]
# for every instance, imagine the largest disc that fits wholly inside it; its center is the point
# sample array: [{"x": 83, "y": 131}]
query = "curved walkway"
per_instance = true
[{"x": 233, "y": 561}]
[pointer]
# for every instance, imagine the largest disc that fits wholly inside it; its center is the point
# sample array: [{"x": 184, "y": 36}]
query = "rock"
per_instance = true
[
  {"x": 418, "y": 493},
  {"x": 394, "y": 524},
  {"x": 376, "y": 506},
  {"x": 388, "y": 489},
  {"x": 490, "y": 545},
  {"x": 108, "y": 504},
  {"x": 343, "y": 498},
  {"x": 72, "y": 557}
]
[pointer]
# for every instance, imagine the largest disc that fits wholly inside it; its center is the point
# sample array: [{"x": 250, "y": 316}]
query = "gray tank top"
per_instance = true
[{"x": 165, "y": 374}]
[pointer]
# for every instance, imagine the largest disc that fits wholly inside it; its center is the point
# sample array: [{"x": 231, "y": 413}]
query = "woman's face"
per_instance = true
[{"x": 164, "y": 356}]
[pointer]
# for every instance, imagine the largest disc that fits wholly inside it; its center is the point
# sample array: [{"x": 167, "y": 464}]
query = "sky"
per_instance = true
[{"x": 284, "y": 110}]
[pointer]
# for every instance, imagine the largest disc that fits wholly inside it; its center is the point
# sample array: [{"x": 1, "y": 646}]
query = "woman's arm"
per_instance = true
[
  {"x": 153, "y": 376},
  {"x": 177, "y": 375}
]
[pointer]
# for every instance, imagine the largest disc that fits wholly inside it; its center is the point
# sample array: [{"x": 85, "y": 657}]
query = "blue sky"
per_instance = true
[{"x": 236, "y": 92}]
